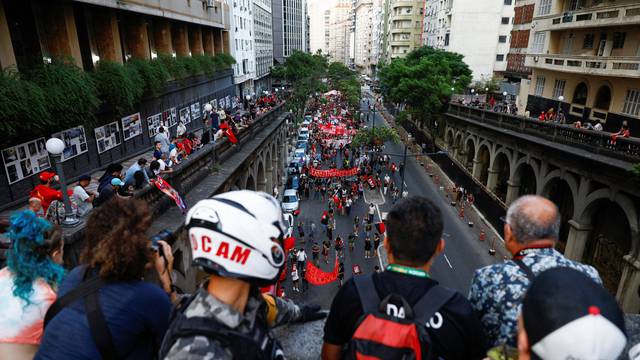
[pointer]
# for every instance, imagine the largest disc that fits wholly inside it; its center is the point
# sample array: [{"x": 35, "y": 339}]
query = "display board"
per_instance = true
[
  {"x": 173, "y": 119},
  {"x": 131, "y": 126},
  {"x": 75, "y": 142},
  {"x": 107, "y": 137},
  {"x": 227, "y": 101},
  {"x": 26, "y": 159},
  {"x": 185, "y": 117},
  {"x": 195, "y": 111},
  {"x": 214, "y": 104},
  {"x": 153, "y": 123}
]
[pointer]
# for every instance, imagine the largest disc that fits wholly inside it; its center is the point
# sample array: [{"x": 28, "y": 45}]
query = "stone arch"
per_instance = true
[
  {"x": 499, "y": 173},
  {"x": 458, "y": 144},
  {"x": 562, "y": 190},
  {"x": 481, "y": 162},
  {"x": 250, "y": 183},
  {"x": 448, "y": 137},
  {"x": 261, "y": 180},
  {"x": 523, "y": 179},
  {"x": 580, "y": 93},
  {"x": 602, "y": 100},
  {"x": 470, "y": 153}
]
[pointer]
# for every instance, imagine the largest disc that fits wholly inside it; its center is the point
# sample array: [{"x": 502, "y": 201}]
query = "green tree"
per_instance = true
[
  {"x": 346, "y": 81},
  {"x": 377, "y": 136},
  {"x": 423, "y": 80}
]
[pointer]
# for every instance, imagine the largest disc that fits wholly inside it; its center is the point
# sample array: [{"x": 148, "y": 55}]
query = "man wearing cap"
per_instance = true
[
  {"x": 566, "y": 315},
  {"x": 530, "y": 233},
  {"x": 81, "y": 196},
  {"x": 44, "y": 191},
  {"x": 108, "y": 192}
]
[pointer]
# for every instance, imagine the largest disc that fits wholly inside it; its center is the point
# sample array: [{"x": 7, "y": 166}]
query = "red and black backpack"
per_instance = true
[{"x": 391, "y": 328}]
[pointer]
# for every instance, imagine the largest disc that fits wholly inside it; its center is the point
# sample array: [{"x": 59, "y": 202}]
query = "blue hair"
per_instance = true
[{"x": 28, "y": 258}]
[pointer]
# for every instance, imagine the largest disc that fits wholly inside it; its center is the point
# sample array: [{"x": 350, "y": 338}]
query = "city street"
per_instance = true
[{"x": 463, "y": 254}]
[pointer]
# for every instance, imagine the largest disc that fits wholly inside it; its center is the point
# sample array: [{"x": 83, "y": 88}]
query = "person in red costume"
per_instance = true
[{"x": 44, "y": 191}]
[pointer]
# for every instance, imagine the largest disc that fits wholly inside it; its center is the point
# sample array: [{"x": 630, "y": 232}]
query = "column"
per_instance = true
[
  {"x": 60, "y": 36},
  {"x": 225, "y": 42},
  {"x": 577, "y": 240},
  {"x": 627, "y": 293},
  {"x": 207, "y": 41},
  {"x": 162, "y": 36},
  {"x": 217, "y": 41},
  {"x": 477, "y": 169},
  {"x": 513, "y": 191},
  {"x": 195, "y": 40},
  {"x": 492, "y": 179},
  {"x": 107, "y": 34},
  {"x": 7, "y": 57},
  {"x": 277, "y": 170},
  {"x": 136, "y": 37},
  {"x": 180, "y": 39},
  {"x": 269, "y": 179}
]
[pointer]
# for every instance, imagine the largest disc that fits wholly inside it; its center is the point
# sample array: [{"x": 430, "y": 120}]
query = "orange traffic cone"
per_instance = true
[
  {"x": 482, "y": 235},
  {"x": 461, "y": 213}
]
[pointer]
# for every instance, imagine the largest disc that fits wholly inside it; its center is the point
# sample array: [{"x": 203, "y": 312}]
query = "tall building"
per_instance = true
[
  {"x": 404, "y": 27},
  {"x": 263, "y": 39},
  {"x": 242, "y": 47},
  {"x": 319, "y": 26},
  {"x": 585, "y": 57},
  {"x": 479, "y": 30},
  {"x": 339, "y": 31},
  {"x": 377, "y": 34},
  {"x": 327, "y": 30},
  {"x": 364, "y": 35},
  {"x": 289, "y": 27}
]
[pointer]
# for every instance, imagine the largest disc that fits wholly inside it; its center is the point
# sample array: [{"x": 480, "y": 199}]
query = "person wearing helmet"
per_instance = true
[{"x": 236, "y": 237}]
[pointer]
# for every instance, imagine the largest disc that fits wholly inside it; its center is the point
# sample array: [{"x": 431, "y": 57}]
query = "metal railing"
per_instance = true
[{"x": 596, "y": 142}]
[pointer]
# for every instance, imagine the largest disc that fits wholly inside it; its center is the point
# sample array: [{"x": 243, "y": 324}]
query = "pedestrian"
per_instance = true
[
  {"x": 347, "y": 205},
  {"x": 324, "y": 221},
  {"x": 301, "y": 258},
  {"x": 566, "y": 315},
  {"x": 326, "y": 245},
  {"x": 367, "y": 229},
  {"x": 45, "y": 191},
  {"x": 330, "y": 230},
  {"x": 376, "y": 269},
  {"x": 376, "y": 243},
  {"x": 163, "y": 138},
  {"x": 372, "y": 211},
  {"x": 312, "y": 232},
  {"x": 356, "y": 225},
  {"x": 276, "y": 193},
  {"x": 351, "y": 239},
  {"x": 81, "y": 197},
  {"x": 394, "y": 195},
  {"x": 315, "y": 252},
  {"x": 339, "y": 246},
  {"x": 367, "y": 247},
  {"x": 340, "y": 273},
  {"x": 530, "y": 233},
  {"x": 301, "y": 231},
  {"x": 303, "y": 279},
  {"x": 295, "y": 278},
  {"x": 413, "y": 241}
]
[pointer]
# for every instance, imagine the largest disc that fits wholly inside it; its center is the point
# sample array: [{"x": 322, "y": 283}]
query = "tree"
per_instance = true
[
  {"x": 346, "y": 81},
  {"x": 423, "y": 80},
  {"x": 377, "y": 136}
]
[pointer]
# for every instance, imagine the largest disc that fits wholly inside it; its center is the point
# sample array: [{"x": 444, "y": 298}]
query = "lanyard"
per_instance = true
[
  {"x": 529, "y": 250},
  {"x": 407, "y": 270}
]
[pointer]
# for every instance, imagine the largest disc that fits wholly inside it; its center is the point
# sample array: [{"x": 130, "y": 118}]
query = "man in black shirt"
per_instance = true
[{"x": 413, "y": 241}]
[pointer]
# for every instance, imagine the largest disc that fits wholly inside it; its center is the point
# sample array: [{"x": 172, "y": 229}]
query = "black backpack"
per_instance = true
[
  {"x": 386, "y": 331},
  {"x": 259, "y": 344}
]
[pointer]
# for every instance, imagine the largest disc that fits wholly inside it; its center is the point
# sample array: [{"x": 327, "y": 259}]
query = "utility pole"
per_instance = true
[{"x": 403, "y": 169}]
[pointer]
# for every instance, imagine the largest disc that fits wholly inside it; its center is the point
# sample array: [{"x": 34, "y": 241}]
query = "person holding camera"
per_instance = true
[
  {"x": 105, "y": 308},
  {"x": 236, "y": 237}
]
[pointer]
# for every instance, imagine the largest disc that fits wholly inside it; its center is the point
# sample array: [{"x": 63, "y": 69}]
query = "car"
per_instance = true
[
  {"x": 289, "y": 223},
  {"x": 302, "y": 145},
  {"x": 290, "y": 201},
  {"x": 293, "y": 168},
  {"x": 293, "y": 182},
  {"x": 304, "y": 131},
  {"x": 299, "y": 153},
  {"x": 306, "y": 122}
]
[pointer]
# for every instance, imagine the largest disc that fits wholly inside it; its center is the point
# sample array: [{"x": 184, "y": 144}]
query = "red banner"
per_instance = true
[
  {"x": 316, "y": 276},
  {"x": 170, "y": 192},
  {"x": 333, "y": 172}
]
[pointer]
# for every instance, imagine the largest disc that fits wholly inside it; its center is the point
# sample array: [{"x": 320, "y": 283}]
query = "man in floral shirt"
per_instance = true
[{"x": 496, "y": 293}]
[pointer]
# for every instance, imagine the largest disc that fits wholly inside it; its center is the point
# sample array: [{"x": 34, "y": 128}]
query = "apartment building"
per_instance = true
[
  {"x": 243, "y": 47},
  {"x": 339, "y": 31},
  {"x": 377, "y": 34},
  {"x": 263, "y": 40},
  {"x": 404, "y": 27},
  {"x": 479, "y": 30},
  {"x": 363, "y": 35},
  {"x": 585, "y": 58}
]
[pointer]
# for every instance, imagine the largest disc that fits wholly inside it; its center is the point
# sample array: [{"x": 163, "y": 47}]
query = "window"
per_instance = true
[
  {"x": 446, "y": 39},
  {"x": 581, "y": 93},
  {"x": 632, "y": 102},
  {"x": 500, "y": 57},
  {"x": 588, "y": 41},
  {"x": 539, "y": 85},
  {"x": 545, "y": 7},
  {"x": 502, "y": 39},
  {"x": 558, "y": 88},
  {"x": 538, "y": 42},
  {"x": 618, "y": 39},
  {"x": 507, "y": 2},
  {"x": 505, "y": 21}
]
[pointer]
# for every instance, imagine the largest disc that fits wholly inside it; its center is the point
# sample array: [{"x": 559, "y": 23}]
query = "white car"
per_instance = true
[
  {"x": 304, "y": 131},
  {"x": 290, "y": 201},
  {"x": 289, "y": 222},
  {"x": 299, "y": 153}
]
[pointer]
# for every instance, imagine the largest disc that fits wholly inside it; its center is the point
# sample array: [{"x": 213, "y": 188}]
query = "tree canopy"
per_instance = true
[
  {"x": 304, "y": 72},
  {"x": 346, "y": 81},
  {"x": 424, "y": 79}
]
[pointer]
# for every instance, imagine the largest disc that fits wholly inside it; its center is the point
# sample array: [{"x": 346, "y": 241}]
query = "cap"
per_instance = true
[
  {"x": 117, "y": 182},
  {"x": 84, "y": 177},
  {"x": 46, "y": 175},
  {"x": 567, "y": 315}
]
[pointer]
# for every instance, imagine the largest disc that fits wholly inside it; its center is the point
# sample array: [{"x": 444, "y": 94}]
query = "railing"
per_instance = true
[
  {"x": 620, "y": 14},
  {"x": 596, "y": 142},
  {"x": 625, "y": 66}
]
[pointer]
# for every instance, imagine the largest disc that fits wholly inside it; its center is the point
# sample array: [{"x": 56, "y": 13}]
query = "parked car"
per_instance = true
[
  {"x": 302, "y": 145},
  {"x": 293, "y": 182},
  {"x": 290, "y": 201},
  {"x": 299, "y": 153}
]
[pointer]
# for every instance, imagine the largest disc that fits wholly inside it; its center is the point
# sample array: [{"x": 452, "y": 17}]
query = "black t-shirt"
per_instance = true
[{"x": 455, "y": 330}]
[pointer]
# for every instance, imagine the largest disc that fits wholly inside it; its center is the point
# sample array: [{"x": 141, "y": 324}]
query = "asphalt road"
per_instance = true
[{"x": 463, "y": 254}]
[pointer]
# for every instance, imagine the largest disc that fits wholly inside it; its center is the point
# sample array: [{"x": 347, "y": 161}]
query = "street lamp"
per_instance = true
[
  {"x": 486, "y": 90},
  {"x": 560, "y": 100},
  {"x": 55, "y": 147}
]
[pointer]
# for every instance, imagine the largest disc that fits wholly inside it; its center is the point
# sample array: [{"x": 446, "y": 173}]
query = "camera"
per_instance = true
[{"x": 164, "y": 235}]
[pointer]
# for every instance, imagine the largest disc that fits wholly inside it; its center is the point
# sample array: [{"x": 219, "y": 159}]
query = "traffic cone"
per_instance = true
[
  {"x": 482, "y": 235},
  {"x": 461, "y": 214}
]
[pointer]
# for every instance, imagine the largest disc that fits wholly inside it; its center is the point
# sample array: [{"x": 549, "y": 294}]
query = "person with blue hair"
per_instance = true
[{"x": 28, "y": 284}]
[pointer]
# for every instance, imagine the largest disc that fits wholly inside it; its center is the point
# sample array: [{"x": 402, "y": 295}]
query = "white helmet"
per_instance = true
[{"x": 238, "y": 234}]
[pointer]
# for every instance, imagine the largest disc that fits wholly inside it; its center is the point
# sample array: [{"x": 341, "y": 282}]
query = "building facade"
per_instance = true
[
  {"x": 377, "y": 33},
  {"x": 294, "y": 21},
  {"x": 364, "y": 36},
  {"x": 263, "y": 40},
  {"x": 404, "y": 27},
  {"x": 585, "y": 59},
  {"x": 479, "y": 30},
  {"x": 243, "y": 47},
  {"x": 339, "y": 32}
]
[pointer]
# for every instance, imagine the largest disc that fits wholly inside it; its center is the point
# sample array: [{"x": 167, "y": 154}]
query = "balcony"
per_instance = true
[
  {"x": 619, "y": 66},
  {"x": 601, "y": 16}
]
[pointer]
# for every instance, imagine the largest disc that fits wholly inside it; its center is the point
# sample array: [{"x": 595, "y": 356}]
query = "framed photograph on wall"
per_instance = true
[
  {"x": 107, "y": 136},
  {"x": 173, "y": 118},
  {"x": 153, "y": 123},
  {"x": 195, "y": 111},
  {"x": 185, "y": 116},
  {"x": 74, "y": 139},
  {"x": 24, "y": 160},
  {"x": 131, "y": 126}
]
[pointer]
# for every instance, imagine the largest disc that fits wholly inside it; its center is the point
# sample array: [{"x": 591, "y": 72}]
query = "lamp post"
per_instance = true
[
  {"x": 55, "y": 147},
  {"x": 560, "y": 100}
]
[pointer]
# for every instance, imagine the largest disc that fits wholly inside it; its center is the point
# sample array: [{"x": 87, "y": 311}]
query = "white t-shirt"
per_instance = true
[
  {"x": 294, "y": 275},
  {"x": 302, "y": 256},
  {"x": 372, "y": 210},
  {"x": 79, "y": 197}
]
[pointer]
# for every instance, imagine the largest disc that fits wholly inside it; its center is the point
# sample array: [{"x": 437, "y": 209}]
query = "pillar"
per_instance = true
[
  {"x": 627, "y": 293},
  {"x": 136, "y": 37},
  {"x": 60, "y": 37},
  {"x": 162, "y": 36},
  {"x": 492, "y": 179},
  {"x": 513, "y": 191},
  {"x": 277, "y": 170},
  {"x": 107, "y": 34},
  {"x": 7, "y": 57},
  {"x": 207, "y": 41},
  {"x": 269, "y": 179},
  {"x": 217, "y": 41},
  {"x": 577, "y": 240},
  {"x": 180, "y": 39},
  {"x": 195, "y": 40},
  {"x": 225, "y": 42},
  {"x": 477, "y": 169}
]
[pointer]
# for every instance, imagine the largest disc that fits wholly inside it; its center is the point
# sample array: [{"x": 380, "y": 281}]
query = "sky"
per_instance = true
[{"x": 316, "y": 10}]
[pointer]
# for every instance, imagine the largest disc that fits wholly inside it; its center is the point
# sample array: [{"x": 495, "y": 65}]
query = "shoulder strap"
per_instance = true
[
  {"x": 98, "y": 326},
  {"x": 432, "y": 301},
  {"x": 80, "y": 291},
  {"x": 369, "y": 298},
  {"x": 525, "y": 269}
]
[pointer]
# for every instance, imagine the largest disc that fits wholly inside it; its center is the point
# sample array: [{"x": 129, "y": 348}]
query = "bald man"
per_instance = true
[{"x": 530, "y": 233}]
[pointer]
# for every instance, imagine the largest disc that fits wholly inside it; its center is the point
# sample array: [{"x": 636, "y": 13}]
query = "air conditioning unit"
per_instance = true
[{"x": 210, "y": 4}]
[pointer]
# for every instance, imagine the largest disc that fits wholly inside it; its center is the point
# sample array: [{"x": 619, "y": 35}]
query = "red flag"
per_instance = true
[
  {"x": 316, "y": 276},
  {"x": 380, "y": 227},
  {"x": 229, "y": 134}
]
